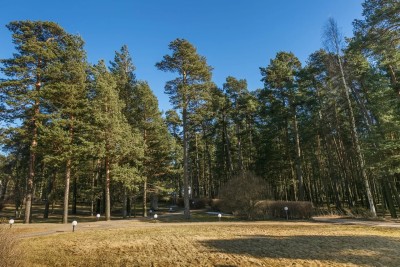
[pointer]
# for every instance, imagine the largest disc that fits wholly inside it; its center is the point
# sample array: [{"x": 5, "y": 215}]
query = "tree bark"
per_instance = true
[
  {"x": 66, "y": 190},
  {"x": 49, "y": 194},
  {"x": 299, "y": 171},
  {"x": 32, "y": 160},
  {"x": 124, "y": 203},
  {"x": 145, "y": 197},
  {"x": 74, "y": 195},
  {"x": 107, "y": 190},
  {"x": 360, "y": 157},
  {"x": 186, "y": 197}
]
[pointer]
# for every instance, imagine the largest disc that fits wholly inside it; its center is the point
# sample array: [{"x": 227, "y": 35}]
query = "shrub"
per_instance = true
[
  {"x": 195, "y": 203},
  {"x": 241, "y": 193},
  {"x": 216, "y": 205},
  {"x": 199, "y": 203},
  {"x": 275, "y": 209}
]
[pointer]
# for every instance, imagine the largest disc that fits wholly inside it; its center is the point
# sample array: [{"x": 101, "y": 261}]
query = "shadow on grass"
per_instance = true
[{"x": 359, "y": 250}]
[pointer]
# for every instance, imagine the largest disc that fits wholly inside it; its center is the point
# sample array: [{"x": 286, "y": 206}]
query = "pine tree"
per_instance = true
[
  {"x": 156, "y": 139},
  {"x": 280, "y": 78},
  {"x": 185, "y": 91},
  {"x": 38, "y": 45},
  {"x": 67, "y": 106},
  {"x": 333, "y": 43},
  {"x": 122, "y": 69},
  {"x": 113, "y": 135},
  {"x": 379, "y": 34}
]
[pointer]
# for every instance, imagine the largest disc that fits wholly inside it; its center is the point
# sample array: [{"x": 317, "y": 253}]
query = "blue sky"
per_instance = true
[{"x": 236, "y": 37}]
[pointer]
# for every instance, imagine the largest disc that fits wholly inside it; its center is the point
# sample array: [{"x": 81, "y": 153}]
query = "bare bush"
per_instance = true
[
  {"x": 8, "y": 250},
  {"x": 276, "y": 209},
  {"x": 216, "y": 204},
  {"x": 241, "y": 194}
]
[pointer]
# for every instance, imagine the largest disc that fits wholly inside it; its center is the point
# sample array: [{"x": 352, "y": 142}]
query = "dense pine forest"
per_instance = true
[{"x": 325, "y": 131}]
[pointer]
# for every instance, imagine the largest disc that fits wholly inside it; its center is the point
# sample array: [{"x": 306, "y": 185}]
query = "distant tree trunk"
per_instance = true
[
  {"x": 66, "y": 190},
  {"x": 196, "y": 182},
  {"x": 107, "y": 190},
  {"x": 354, "y": 134},
  {"x": 74, "y": 195},
  {"x": 239, "y": 145},
  {"x": 299, "y": 171},
  {"x": 124, "y": 203},
  {"x": 227, "y": 146},
  {"x": 3, "y": 187},
  {"x": 134, "y": 206},
  {"x": 129, "y": 206},
  {"x": 145, "y": 178},
  {"x": 145, "y": 196},
  {"x": 32, "y": 160},
  {"x": 388, "y": 198},
  {"x": 185, "y": 165},
  {"x": 395, "y": 192},
  {"x": 68, "y": 175},
  {"x": 154, "y": 200},
  {"x": 49, "y": 193},
  {"x": 333, "y": 37}
]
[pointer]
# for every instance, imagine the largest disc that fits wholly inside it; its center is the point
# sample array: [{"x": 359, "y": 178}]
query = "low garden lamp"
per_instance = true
[{"x": 74, "y": 223}]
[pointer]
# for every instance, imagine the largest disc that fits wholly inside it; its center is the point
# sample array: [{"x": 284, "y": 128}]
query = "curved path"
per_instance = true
[{"x": 43, "y": 229}]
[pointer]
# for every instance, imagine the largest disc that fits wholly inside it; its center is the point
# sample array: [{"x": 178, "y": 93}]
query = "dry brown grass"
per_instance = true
[
  {"x": 8, "y": 247},
  {"x": 218, "y": 244}
]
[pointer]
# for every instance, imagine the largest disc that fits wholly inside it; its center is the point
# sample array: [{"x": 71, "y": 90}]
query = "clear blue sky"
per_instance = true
[{"x": 236, "y": 36}]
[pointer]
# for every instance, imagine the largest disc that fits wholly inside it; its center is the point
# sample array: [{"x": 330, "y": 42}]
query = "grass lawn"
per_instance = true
[{"x": 134, "y": 243}]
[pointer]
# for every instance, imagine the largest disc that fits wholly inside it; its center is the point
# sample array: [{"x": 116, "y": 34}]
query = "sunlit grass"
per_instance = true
[{"x": 217, "y": 244}]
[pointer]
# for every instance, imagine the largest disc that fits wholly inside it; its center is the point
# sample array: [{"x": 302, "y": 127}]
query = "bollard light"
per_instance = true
[
  {"x": 11, "y": 222},
  {"x": 155, "y": 216},
  {"x": 74, "y": 223},
  {"x": 286, "y": 211},
  {"x": 219, "y": 216},
  {"x": 98, "y": 216}
]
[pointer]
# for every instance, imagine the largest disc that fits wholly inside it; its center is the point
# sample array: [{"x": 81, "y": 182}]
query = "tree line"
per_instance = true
[{"x": 327, "y": 131}]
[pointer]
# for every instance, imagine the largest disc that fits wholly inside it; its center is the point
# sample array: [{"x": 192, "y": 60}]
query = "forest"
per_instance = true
[{"x": 325, "y": 131}]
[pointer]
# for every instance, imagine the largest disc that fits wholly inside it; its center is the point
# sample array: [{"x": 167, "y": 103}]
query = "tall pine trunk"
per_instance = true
[
  {"x": 186, "y": 198},
  {"x": 32, "y": 160},
  {"x": 49, "y": 193},
  {"x": 66, "y": 190},
  {"x": 68, "y": 166},
  {"x": 107, "y": 190},
  {"x": 145, "y": 178},
  {"x": 299, "y": 171},
  {"x": 354, "y": 134}
]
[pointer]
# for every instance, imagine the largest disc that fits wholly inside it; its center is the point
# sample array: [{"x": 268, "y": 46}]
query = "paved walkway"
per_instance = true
[
  {"x": 43, "y": 229},
  {"x": 375, "y": 223}
]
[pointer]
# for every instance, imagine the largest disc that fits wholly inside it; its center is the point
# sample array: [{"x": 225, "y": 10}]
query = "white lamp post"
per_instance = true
[
  {"x": 219, "y": 216},
  {"x": 98, "y": 216},
  {"x": 74, "y": 223},
  {"x": 11, "y": 222},
  {"x": 155, "y": 216}
]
